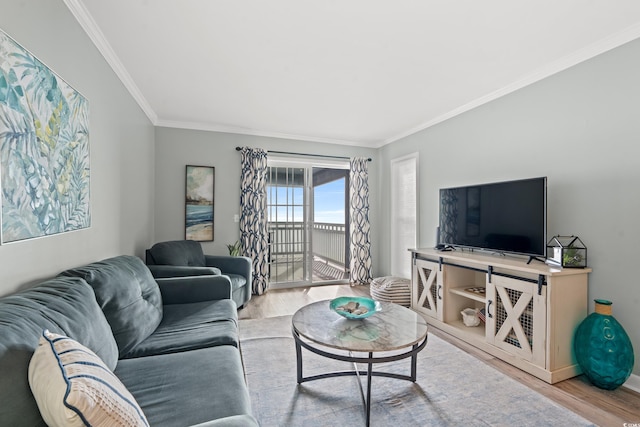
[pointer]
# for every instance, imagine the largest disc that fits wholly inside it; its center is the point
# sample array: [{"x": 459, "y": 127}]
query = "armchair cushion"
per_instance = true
[
  {"x": 177, "y": 252},
  {"x": 237, "y": 281},
  {"x": 240, "y": 271}
]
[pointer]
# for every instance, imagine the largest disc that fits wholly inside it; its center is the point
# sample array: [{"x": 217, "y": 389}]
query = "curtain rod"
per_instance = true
[{"x": 306, "y": 154}]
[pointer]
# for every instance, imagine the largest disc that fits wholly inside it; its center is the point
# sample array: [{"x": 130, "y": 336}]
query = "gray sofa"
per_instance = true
[
  {"x": 173, "y": 342},
  {"x": 177, "y": 258}
]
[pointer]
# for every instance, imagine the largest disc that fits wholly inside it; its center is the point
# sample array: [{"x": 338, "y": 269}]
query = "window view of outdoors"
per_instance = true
[
  {"x": 328, "y": 202},
  {"x": 306, "y": 247}
]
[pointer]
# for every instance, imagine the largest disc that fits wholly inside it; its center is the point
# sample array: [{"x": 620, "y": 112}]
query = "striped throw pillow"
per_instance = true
[{"x": 73, "y": 387}]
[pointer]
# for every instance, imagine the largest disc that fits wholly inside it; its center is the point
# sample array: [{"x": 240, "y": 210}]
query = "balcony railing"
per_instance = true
[
  {"x": 329, "y": 241},
  {"x": 286, "y": 238},
  {"x": 287, "y": 242}
]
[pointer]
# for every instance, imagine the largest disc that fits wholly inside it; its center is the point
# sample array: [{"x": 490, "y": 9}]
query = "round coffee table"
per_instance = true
[{"x": 393, "y": 329}]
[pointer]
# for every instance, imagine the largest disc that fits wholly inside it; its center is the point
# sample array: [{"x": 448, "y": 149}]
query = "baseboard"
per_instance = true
[{"x": 633, "y": 383}]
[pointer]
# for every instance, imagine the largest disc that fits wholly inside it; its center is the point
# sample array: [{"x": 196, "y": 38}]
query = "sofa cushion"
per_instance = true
[
  {"x": 73, "y": 387},
  {"x": 237, "y": 281},
  {"x": 191, "y": 326},
  {"x": 63, "y": 305},
  {"x": 187, "y": 388},
  {"x": 177, "y": 252},
  {"x": 129, "y": 297}
]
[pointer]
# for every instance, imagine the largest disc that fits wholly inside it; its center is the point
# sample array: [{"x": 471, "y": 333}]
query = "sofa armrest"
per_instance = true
[
  {"x": 162, "y": 271},
  {"x": 232, "y": 421},
  {"x": 182, "y": 290},
  {"x": 231, "y": 264}
]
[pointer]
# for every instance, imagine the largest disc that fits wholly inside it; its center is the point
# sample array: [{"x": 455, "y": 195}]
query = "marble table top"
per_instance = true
[{"x": 393, "y": 327}]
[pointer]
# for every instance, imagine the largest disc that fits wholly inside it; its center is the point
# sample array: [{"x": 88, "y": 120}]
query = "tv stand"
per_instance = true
[
  {"x": 531, "y": 310},
  {"x": 537, "y": 258}
]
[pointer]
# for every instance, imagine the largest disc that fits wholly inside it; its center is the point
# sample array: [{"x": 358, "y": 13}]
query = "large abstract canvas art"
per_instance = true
[
  {"x": 200, "y": 184},
  {"x": 44, "y": 148}
]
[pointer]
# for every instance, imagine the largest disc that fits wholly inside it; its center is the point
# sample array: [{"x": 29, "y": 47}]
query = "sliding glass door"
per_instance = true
[
  {"x": 308, "y": 231},
  {"x": 330, "y": 225}
]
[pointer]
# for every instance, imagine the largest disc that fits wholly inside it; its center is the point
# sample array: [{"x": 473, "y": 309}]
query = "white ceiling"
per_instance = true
[{"x": 358, "y": 72}]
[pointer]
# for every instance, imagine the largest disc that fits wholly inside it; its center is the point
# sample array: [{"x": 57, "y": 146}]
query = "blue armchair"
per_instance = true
[{"x": 180, "y": 258}]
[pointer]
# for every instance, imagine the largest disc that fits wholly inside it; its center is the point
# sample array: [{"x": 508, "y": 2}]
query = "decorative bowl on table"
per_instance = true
[{"x": 354, "y": 307}]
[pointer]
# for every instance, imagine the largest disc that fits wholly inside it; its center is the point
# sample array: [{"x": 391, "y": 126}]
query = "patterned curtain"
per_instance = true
[
  {"x": 360, "y": 246},
  {"x": 253, "y": 214}
]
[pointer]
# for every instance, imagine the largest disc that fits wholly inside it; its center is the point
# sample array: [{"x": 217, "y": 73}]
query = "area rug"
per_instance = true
[{"x": 453, "y": 388}]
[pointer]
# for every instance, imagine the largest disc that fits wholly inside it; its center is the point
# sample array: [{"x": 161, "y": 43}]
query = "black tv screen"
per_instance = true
[{"x": 506, "y": 216}]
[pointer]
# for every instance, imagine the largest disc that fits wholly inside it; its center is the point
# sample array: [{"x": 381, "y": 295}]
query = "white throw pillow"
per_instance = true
[{"x": 73, "y": 387}]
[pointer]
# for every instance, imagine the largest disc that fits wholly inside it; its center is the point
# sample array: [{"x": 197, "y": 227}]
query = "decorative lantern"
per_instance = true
[{"x": 566, "y": 251}]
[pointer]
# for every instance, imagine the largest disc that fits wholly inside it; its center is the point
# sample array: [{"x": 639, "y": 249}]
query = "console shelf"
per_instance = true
[
  {"x": 464, "y": 292},
  {"x": 531, "y": 310}
]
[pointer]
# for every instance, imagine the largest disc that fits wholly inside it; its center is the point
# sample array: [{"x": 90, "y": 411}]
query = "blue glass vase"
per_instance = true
[{"x": 603, "y": 348}]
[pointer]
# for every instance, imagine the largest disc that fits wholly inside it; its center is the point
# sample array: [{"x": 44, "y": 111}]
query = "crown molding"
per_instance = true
[
  {"x": 601, "y": 46},
  {"x": 92, "y": 29},
  {"x": 211, "y": 127}
]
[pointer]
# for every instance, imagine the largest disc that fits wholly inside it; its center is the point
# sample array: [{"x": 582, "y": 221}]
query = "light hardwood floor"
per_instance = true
[{"x": 602, "y": 407}]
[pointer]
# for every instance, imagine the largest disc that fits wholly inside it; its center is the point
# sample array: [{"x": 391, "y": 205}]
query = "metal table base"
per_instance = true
[{"x": 369, "y": 361}]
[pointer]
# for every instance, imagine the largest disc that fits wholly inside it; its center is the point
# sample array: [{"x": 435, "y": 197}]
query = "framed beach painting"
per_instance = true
[
  {"x": 200, "y": 184},
  {"x": 44, "y": 149}
]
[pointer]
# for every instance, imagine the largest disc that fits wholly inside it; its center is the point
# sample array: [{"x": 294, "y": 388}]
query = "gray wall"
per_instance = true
[
  {"x": 122, "y": 150},
  {"x": 176, "y": 148},
  {"x": 581, "y": 129}
]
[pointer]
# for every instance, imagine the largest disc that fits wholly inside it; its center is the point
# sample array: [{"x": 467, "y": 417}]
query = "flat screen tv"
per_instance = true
[{"x": 508, "y": 216}]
